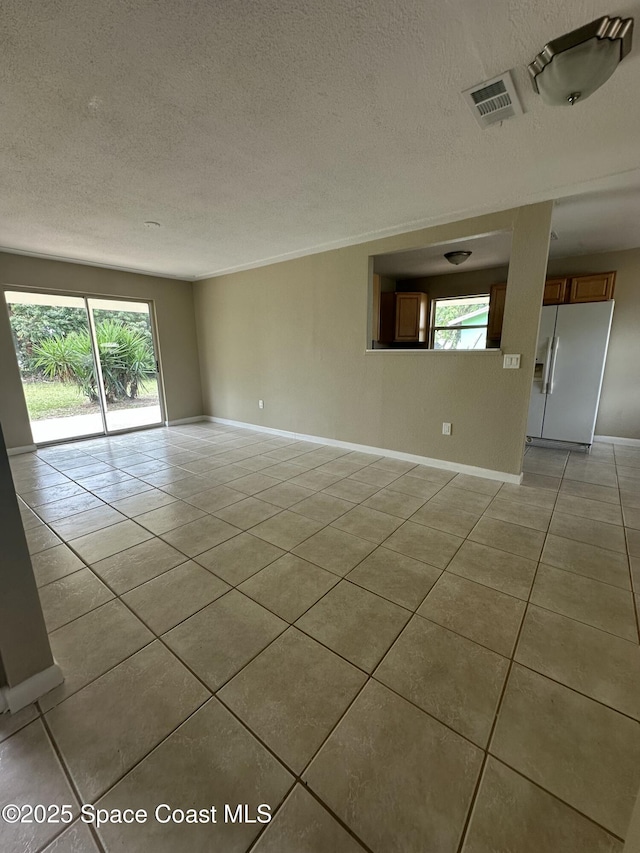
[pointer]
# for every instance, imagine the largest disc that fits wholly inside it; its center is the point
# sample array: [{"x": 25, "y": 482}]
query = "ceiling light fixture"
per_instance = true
[
  {"x": 457, "y": 258},
  {"x": 151, "y": 224},
  {"x": 572, "y": 67}
]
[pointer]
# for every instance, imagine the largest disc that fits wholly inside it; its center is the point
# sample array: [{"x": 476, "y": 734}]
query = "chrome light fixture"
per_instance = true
[
  {"x": 457, "y": 258},
  {"x": 572, "y": 67}
]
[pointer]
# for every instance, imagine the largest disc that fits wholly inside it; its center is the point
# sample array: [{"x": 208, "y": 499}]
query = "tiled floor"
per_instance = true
[{"x": 393, "y": 657}]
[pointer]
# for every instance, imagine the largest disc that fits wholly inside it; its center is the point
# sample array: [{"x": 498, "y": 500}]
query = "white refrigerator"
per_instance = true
[{"x": 570, "y": 358}]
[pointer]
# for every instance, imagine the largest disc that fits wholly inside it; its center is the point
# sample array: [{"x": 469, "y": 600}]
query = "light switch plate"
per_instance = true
[{"x": 511, "y": 362}]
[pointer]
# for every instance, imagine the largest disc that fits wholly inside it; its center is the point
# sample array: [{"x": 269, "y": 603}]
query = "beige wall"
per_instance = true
[
  {"x": 294, "y": 335},
  {"x": 173, "y": 301},
  {"x": 619, "y": 412}
]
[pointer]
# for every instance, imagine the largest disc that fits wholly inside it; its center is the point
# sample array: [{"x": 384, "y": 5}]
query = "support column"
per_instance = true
[{"x": 27, "y": 668}]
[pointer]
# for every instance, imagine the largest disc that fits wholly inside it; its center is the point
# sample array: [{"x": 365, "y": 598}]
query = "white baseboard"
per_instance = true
[
  {"x": 12, "y": 699},
  {"x": 613, "y": 439},
  {"x": 16, "y": 451},
  {"x": 181, "y": 421},
  {"x": 458, "y": 467}
]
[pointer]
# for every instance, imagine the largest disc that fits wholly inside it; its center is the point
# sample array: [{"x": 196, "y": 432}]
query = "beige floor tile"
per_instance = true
[
  {"x": 334, "y": 550},
  {"x": 375, "y": 476},
  {"x": 598, "y": 604},
  {"x": 579, "y": 750},
  {"x": 137, "y": 565},
  {"x": 251, "y": 484},
  {"x": 86, "y": 522},
  {"x": 454, "y": 679},
  {"x": 587, "y": 508},
  {"x": 632, "y": 517},
  {"x": 454, "y": 497},
  {"x": 368, "y": 524},
  {"x": 588, "y": 560},
  {"x": 100, "y": 481},
  {"x": 322, "y": 507},
  {"x": 609, "y": 536},
  {"x": 144, "y": 502},
  {"x": 442, "y": 516},
  {"x": 12, "y": 723},
  {"x": 72, "y": 596},
  {"x": 477, "y": 484},
  {"x": 175, "y": 595},
  {"x": 633, "y": 541},
  {"x": 185, "y": 487},
  {"x": 395, "y": 466},
  {"x": 51, "y": 494},
  {"x": 394, "y": 503},
  {"x": 284, "y": 470},
  {"x": 303, "y": 826},
  {"x": 69, "y": 506},
  {"x": 200, "y": 535},
  {"x": 343, "y": 466},
  {"x": 542, "y": 498},
  {"x": 122, "y": 490},
  {"x": 28, "y": 517},
  {"x": 497, "y": 569},
  {"x": 237, "y": 559},
  {"x": 586, "y": 659},
  {"x": 76, "y": 839},
  {"x": 478, "y": 612},
  {"x": 511, "y": 814},
  {"x": 285, "y": 495},
  {"x": 31, "y": 773},
  {"x": 218, "y": 641},
  {"x": 82, "y": 659},
  {"x": 315, "y": 480},
  {"x": 526, "y": 515},
  {"x": 592, "y": 472},
  {"x": 400, "y": 579},
  {"x": 104, "y": 543},
  {"x": 247, "y": 513},
  {"x": 289, "y": 586},
  {"x": 590, "y": 491},
  {"x": 416, "y": 486},
  {"x": 41, "y": 539},
  {"x": 54, "y": 563},
  {"x": 168, "y": 517},
  {"x": 371, "y": 773},
  {"x": 541, "y": 481},
  {"x": 105, "y": 728},
  {"x": 204, "y": 762},
  {"x": 424, "y": 543},
  {"x": 292, "y": 695},
  {"x": 355, "y": 623},
  {"x": 351, "y": 490},
  {"x": 513, "y": 538},
  {"x": 286, "y": 530},
  {"x": 216, "y": 498}
]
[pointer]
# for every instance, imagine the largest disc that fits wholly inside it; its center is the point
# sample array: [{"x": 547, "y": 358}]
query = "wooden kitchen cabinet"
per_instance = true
[
  {"x": 555, "y": 291},
  {"x": 592, "y": 288},
  {"x": 411, "y": 317},
  {"x": 497, "y": 298}
]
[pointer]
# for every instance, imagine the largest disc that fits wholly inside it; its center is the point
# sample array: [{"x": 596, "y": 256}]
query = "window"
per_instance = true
[{"x": 460, "y": 322}]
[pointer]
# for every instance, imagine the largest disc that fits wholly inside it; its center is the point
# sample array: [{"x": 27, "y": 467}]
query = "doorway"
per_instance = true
[{"x": 88, "y": 365}]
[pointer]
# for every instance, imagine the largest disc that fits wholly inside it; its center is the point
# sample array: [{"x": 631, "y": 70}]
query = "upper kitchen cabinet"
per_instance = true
[
  {"x": 411, "y": 317},
  {"x": 592, "y": 288},
  {"x": 555, "y": 291},
  {"x": 496, "y": 311}
]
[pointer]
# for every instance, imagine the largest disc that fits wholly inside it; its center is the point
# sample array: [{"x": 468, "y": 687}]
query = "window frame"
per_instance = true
[{"x": 433, "y": 328}]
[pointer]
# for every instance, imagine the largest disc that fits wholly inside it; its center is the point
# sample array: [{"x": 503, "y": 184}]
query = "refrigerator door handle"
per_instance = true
[
  {"x": 547, "y": 366},
  {"x": 552, "y": 371}
]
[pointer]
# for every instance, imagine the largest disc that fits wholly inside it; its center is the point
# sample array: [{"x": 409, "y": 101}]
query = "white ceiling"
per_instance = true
[
  {"x": 490, "y": 250},
  {"x": 254, "y": 131}
]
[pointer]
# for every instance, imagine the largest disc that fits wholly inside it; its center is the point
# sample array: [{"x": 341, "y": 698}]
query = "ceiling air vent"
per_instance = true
[{"x": 494, "y": 100}]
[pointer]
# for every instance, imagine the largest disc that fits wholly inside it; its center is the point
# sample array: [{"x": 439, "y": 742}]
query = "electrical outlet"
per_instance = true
[
  {"x": 261, "y": 404},
  {"x": 511, "y": 361},
  {"x": 446, "y": 429}
]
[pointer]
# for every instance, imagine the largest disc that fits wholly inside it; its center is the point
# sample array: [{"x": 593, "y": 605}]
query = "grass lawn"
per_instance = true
[{"x": 62, "y": 399}]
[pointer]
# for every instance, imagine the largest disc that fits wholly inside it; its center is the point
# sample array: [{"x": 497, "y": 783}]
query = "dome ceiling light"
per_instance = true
[
  {"x": 572, "y": 67},
  {"x": 457, "y": 258}
]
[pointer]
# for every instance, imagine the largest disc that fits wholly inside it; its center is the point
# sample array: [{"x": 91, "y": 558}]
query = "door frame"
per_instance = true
[{"x": 94, "y": 346}]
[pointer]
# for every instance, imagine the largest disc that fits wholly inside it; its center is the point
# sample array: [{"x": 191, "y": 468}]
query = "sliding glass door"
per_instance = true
[{"x": 88, "y": 365}]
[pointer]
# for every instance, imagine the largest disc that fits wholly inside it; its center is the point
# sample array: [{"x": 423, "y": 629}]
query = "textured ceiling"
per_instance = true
[{"x": 253, "y": 130}]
